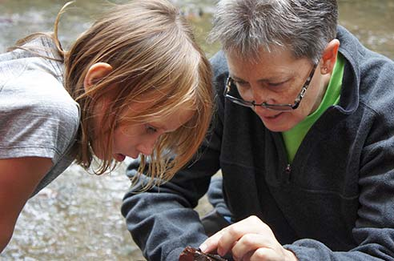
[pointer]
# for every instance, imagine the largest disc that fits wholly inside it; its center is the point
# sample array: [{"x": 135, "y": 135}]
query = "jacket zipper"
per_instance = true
[{"x": 288, "y": 172}]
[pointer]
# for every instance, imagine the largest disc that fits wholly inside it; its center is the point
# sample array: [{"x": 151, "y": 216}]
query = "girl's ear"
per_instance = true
[
  {"x": 95, "y": 73},
  {"x": 329, "y": 56}
]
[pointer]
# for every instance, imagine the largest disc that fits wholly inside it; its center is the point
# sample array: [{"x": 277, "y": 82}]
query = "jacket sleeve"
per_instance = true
[{"x": 161, "y": 220}]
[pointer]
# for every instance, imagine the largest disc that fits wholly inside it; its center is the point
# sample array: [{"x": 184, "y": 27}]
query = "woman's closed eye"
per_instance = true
[
  {"x": 278, "y": 86},
  {"x": 241, "y": 84},
  {"x": 278, "y": 83}
]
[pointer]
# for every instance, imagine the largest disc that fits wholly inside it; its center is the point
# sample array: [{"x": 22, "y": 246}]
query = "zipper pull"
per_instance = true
[
  {"x": 288, "y": 172},
  {"x": 288, "y": 169}
]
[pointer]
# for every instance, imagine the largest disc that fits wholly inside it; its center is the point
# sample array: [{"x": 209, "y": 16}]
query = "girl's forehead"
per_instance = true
[
  {"x": 158, "y": 108},
  {"x": 172, "y": 121}
]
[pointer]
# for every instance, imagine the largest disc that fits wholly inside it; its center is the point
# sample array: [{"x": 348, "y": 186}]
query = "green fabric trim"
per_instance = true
[{"x": 293, "y": 138}]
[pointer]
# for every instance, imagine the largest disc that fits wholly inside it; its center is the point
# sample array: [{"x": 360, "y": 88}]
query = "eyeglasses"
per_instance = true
[{"x": 274, "y": 107}]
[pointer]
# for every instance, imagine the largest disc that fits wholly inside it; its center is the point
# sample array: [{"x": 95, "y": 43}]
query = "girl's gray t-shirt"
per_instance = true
[{"x": 38, "y": 118}]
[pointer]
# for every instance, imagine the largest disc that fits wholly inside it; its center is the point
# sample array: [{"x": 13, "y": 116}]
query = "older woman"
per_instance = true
[{"x": 303, "y": 136}]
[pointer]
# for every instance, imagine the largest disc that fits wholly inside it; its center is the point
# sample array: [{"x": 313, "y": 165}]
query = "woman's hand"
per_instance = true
[{"x": 249, "y": 239}]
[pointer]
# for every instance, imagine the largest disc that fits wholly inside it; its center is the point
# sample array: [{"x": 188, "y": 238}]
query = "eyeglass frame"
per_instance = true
[{"x": 273, "y": 107}]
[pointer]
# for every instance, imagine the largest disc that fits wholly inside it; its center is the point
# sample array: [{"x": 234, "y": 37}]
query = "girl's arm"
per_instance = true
[{"x": 18, "y": 179}]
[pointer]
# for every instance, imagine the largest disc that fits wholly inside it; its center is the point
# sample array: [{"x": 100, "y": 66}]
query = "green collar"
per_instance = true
[{"x": 293, "y": 138}]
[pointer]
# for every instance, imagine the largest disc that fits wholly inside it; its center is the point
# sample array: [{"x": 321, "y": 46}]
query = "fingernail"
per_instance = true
[{"x": 203, "y": 247}]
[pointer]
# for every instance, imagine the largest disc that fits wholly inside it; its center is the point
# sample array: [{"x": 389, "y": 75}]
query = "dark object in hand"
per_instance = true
[{"x": 195, "y": 254}]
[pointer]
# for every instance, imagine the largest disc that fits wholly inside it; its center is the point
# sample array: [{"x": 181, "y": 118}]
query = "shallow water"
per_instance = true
[{"x": 77, "y": 217}]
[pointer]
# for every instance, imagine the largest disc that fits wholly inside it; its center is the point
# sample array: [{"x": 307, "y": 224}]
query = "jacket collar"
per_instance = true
[{"x": 353, "y": 51}]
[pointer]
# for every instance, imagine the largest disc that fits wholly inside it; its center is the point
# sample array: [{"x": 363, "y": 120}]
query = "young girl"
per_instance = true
[{"x": 134, "y": 84}]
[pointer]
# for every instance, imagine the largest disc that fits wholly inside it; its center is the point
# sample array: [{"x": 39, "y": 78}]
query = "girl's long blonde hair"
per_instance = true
[{"x": 152, "y": 50}]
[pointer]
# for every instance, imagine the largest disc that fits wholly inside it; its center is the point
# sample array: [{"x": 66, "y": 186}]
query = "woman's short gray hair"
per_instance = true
[{"x": 303, "y": 26}]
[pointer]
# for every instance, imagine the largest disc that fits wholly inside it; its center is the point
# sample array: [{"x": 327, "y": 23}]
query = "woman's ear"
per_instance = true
[
  {"x": 329, "y": 56},
  {"x": 95, "y": 73}
]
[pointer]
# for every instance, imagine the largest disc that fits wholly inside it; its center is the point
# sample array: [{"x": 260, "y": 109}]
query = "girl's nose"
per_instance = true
[{"x": 146, "y": 146}]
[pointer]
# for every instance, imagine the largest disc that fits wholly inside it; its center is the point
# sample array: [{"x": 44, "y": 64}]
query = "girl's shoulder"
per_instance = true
[
  {"x": 41, "y": 117},
  {"x": 35, "y": 56}
]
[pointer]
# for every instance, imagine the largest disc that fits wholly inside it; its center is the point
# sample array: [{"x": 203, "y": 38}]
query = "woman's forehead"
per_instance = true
[
  {"x": 273, "y": 56},
  {"x": 268, "y": 65}
]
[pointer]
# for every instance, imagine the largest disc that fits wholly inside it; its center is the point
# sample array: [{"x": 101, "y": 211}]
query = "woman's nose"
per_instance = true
[{"x": 258, "y": 94}]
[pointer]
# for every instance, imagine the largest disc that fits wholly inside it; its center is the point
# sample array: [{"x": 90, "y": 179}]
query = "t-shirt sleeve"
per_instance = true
[{"x": 36, "y": 123}]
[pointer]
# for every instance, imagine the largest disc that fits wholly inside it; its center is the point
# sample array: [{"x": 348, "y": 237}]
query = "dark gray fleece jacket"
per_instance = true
[{"x": 334, "y": 202}]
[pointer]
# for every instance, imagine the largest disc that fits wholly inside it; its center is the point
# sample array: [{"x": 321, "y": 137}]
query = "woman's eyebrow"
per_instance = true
[{"x": 262, "y": 80}]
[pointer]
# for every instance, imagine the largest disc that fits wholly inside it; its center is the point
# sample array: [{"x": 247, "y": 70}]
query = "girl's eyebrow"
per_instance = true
[{"x": 158, "y": 126}]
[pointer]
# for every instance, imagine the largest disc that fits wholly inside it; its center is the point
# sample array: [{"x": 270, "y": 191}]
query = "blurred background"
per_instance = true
[{"x": 78, "y": 216}]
